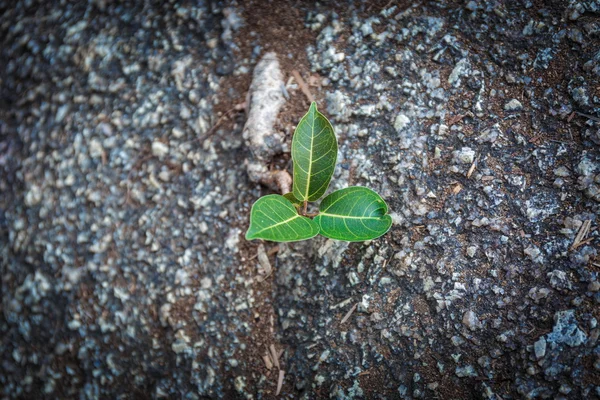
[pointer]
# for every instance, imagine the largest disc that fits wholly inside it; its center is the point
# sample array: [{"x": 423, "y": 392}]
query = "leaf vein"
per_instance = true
[
  {"x": 349, "y": 216},
  {"x": 338, "y": 199},
  {"x": 277, "y": 224},
  {"x": 312, "y": 137}
]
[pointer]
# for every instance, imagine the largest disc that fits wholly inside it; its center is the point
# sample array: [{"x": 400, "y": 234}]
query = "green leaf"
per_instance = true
[
  {"x": 353, "y": 214},
  {"x": 314, "y": 153},
  {"x": 290, "y": 196},
  {"x": 274, "y": 218}
]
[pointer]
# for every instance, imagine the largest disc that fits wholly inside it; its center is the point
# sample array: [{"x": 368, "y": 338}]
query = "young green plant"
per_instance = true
[{"x": 353, "y": 214}]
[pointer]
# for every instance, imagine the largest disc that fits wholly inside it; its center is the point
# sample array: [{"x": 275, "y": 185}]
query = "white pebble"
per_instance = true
[{"x": 159, "y": 149}]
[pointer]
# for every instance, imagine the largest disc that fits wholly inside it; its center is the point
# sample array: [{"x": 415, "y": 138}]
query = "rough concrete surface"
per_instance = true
[{"x": 124, "y": 197}]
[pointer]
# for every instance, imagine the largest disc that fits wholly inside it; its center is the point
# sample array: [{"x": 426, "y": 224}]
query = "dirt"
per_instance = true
[
  {"x": 281, "y": 20},
  {"x": 278, "y": 29}
]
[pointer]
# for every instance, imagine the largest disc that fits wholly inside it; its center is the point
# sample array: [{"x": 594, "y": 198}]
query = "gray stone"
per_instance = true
[
  {"x": 539, "y": 348},
  {"x": 466, "y": 371},
  {"x": 565, "y": 330},
  {"x": 471, "y": 321},
  {"x": 513, "y": 105},
  {"x": 466, "y": 155},
  {"x": 461, "y": 69},
  {"x": 401, "y": 122},
  {"x": 159, "y": 149}
]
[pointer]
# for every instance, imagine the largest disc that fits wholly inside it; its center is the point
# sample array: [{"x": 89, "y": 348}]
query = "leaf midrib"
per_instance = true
[
  {"x": 349, "y": 216},
  {"x": 310, "y": 155},
  {"x": 277, "y": 224}
]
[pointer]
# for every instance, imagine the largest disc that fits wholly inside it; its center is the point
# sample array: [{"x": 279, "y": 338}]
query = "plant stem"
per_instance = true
[
  {"x": 305, "y": 207},
  {"x": 312, "y": 214}
]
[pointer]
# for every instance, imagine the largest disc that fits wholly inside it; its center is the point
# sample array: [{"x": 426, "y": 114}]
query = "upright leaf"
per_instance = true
[
  {"x": 353, "y": 214},
  {"x": 314, "y": 153},
  {"x": 274, "y": 218}
]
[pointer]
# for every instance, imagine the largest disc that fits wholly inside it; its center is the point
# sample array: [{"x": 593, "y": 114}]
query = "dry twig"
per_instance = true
[
  {"x": 303, "y": 86},
  {"x": 455, "y": 119},
  {"x": 341, "y": 303},
  {"x": 267, "y": 360},
  {"x": 348, "y": 314},
  {"x": 472, "y": 169},
  {"x": 583, "y": 231},
  {"x": 263, "y": 260},
  {"x": 588, "y": 116},
  {"x": 274, "y": 355},
  {"x": 271, "y": 251},
  {"x": 280, "y": 381},
  {"x": 237, "y": 108}
]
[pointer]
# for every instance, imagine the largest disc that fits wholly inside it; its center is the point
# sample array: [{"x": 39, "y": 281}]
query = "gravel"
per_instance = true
[
  {"x": 513, "y": 105},
  {"x": 124, "y": 268}
]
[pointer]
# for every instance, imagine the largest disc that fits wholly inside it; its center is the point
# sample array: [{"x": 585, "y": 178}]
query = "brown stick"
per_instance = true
[
  {"x": 348, "y": 314},
  {"x": 280, "y": 381},
  {"x": 588, "y": 116},
  {"x": 303, "y": 86},
  {"x": 583, "y": 231},
  {"x": 305, "y": 207},
  {"x": 267, "y": 361},
  {"x": 271, "y": 251},
  {"x": 237, "y": 108},
  {"x": 274, "y": 356},
  {"x": 472, "y": 169}
]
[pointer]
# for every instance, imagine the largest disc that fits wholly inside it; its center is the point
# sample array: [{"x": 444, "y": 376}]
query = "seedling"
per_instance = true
[{"x": 353, "y": 214}]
